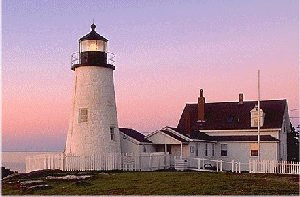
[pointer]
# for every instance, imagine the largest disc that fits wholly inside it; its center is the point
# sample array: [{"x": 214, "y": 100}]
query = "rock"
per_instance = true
[
  {"x": 31, "y": 182},
  {"x": 104, "y": 173},
  {"x": 6, "y": 172},
  {"x": 69, "y": 177}
]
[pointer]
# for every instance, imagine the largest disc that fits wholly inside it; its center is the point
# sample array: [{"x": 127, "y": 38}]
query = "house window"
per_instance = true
[
  {"x": 254, "y": 153},
  {"x": 223, "y": 149},
  {"x": 169, "y": 148},
  {"x": 112, "y": 133},
  {"x": 212, "y": 149},
  {"x": 254, "y": 150},
  {"x": 206, "y": 149},
  {"x": 83, "y": 115},
  {"x": 144, "y": 149},
  {"x": 192, "y": 149}
]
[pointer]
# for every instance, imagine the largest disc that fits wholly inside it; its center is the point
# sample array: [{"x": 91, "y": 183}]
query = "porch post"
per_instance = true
[{"x": 181, "y": 150}]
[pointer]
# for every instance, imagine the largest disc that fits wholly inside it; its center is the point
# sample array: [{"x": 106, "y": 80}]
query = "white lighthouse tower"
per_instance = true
[{"x": 93, "y": 127}]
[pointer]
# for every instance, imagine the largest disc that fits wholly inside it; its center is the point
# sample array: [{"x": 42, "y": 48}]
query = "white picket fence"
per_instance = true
[
  {"x": 153, "y": 161},
  {"x": 281, "y": 167},
  {"x": 203, "y": 164},
  {"x": 254, "y": 166},
  {"x": 44, "y": 161},
  {"x": 146, "y": 161},
  {"x": 131, "y": 162},
  {"x": 93, "y": 162}
]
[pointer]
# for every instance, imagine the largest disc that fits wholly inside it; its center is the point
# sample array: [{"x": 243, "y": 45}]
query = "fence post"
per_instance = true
[
  {"x": 140, "y": 162},
  {"x": 221, "y": 166},
  {"x": 165, "y": 160},
  {"x": 239, "y": 167},
  {"x": 45, "y": 162},
  {"x": 250, "y": 169},
  {"x": 52, "y": 161},
  {"x": 150, "y": 161},
  {"x": 232, "y": 166}
]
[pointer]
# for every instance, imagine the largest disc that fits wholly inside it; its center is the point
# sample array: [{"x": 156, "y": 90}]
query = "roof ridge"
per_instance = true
[
  {"x": 178, "y": 134},
  {"x": 247, "y": 101}
]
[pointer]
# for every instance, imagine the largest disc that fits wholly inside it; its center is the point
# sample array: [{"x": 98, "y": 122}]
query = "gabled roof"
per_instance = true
[
  {"x": 232, "y": 115},
  {"x": 193, "y": 134},
  {"x": 134, "y": 134},
  {"x": 175, "y": 135},
  {"x": 244, "y": 138}
]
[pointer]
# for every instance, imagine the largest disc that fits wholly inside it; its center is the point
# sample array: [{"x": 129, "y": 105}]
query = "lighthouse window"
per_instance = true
[
  {"x": 112, "y": 133},
  {"x": 83, "y": 115}
]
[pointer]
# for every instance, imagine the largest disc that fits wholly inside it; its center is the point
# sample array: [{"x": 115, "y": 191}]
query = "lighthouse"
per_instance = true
[{"x": 93, "y": 126}]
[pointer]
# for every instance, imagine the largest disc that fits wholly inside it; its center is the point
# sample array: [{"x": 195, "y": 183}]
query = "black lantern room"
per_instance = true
[{"x": 93, "y": 50}]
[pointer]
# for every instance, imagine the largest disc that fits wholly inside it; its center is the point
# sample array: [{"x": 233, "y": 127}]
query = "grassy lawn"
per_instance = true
[{"x": 169, "y": 183}]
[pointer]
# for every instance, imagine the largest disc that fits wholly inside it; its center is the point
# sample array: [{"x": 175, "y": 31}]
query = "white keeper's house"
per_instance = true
[{"x": 223, "y": 131}]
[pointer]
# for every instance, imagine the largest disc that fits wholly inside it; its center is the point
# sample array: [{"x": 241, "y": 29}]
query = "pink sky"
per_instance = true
[{"x": 165, "y": 52}]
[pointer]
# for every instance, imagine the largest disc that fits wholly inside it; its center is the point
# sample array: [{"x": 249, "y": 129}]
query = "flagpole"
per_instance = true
[{"x": 258, "y": 115}]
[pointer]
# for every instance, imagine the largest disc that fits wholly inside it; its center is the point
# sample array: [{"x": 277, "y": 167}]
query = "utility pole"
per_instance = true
[{"x": 258, "y": 116}]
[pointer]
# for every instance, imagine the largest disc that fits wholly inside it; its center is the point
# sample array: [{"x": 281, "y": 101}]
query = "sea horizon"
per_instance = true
[{"x": 16, "y": 160}]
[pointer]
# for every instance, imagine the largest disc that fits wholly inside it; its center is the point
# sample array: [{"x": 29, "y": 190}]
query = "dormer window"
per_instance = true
[
  {"x": 254, "y": 117},
  {"x": 230, "y": 119}
]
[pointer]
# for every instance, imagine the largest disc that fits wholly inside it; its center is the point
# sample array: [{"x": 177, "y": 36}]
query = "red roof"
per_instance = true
[{"x": 232, "y": 115}]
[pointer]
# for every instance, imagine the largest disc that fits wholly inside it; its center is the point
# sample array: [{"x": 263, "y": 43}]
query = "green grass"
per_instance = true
[{"x": 170, "y": 183}]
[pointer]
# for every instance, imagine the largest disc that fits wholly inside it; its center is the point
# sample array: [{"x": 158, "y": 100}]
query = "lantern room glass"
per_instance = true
[{"x": 93, "y": 45}]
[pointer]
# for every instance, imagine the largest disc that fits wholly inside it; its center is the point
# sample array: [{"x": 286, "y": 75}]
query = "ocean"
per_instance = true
[{"x": 16, "y": 161}]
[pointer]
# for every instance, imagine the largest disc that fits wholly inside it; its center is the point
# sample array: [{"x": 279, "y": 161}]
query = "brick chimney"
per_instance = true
[
  {"x": 201, "y": 107},
  {"x": 241, "y": 98}
]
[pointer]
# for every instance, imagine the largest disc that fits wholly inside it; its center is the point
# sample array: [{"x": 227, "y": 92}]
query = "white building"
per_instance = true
[{"x": 227, "y": 131}]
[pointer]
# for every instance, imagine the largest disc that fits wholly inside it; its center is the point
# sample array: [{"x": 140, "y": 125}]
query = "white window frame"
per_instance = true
[
  {"x": 206, "y": 150},
  {"x": 224, "y": 150}
]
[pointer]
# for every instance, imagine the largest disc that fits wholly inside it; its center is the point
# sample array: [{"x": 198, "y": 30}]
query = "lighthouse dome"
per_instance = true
[{"x": 93, "y": 35}]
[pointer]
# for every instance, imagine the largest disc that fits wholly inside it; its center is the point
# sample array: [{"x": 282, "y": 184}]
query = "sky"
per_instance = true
[{"x": 165, "y": 52}]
